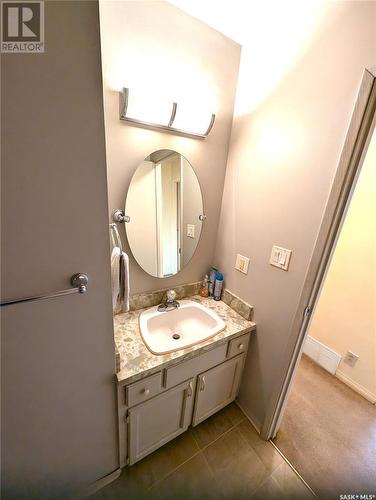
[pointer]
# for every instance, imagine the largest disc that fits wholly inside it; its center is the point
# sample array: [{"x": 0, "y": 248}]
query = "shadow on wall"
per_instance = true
[{"x": 281, "y": 163}]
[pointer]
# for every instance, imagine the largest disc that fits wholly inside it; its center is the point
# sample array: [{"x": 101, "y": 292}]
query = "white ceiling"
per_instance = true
[
  {"x": 273, "y": 35},
  {"x": 238, "y": 18},
  {"x": 220, "y": 15}
]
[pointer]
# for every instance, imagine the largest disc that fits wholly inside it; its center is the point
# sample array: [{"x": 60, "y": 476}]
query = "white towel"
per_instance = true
[
  {"x": 124, "y": 283},
  {"x": 120, "y": 281},
  {"x": 115, "y": 277}
]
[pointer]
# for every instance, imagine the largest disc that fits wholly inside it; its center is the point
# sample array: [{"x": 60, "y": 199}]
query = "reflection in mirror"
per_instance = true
[{"x": 164, "y": 203}]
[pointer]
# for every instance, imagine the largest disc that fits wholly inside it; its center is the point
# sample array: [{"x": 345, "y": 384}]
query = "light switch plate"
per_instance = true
[
  {"x": 242, "y": 263},
  {"x": 190, "y": 230},
  {"x": 280, "y": 257}
]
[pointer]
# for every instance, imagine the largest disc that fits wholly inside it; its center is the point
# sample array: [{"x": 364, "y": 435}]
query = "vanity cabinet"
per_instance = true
[
  {"x": 159, "y": 406},
  {"x": 216, "y": 388},
  {"x": 157, "y": 421}
]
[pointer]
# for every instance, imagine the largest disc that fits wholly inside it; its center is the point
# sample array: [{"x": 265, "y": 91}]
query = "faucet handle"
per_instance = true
[{"x": 171, "y": 295}]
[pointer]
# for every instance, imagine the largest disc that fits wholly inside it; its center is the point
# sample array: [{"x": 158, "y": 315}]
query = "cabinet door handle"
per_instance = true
[
  {"x": 187, "y": 394},
  {"x": 241, "y": 346},
  {"x": 146, "y": 392},
  {"x": 203, "y": 382}
]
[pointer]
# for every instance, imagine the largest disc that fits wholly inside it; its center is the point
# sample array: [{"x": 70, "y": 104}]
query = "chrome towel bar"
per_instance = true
[{"x": 79, "y": 282}]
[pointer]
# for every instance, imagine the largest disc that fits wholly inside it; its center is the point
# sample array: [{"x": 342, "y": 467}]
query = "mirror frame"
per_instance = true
[{"x": 202, "y": 217}]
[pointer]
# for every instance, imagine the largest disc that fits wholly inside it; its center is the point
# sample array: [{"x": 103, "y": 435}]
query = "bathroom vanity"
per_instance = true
[
  {"x": 175, "y": 368},
  {"x": 160, "y": 396}
]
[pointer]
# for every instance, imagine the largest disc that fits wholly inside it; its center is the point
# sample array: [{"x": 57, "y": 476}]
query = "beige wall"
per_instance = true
[
  {"x": 283, "y": 154},
  {"x": 345, "y": 317},
  {"x": 154, "y": 45},
  {"x": 58, "y": 406},
  {"x": 192, "y": 208}
]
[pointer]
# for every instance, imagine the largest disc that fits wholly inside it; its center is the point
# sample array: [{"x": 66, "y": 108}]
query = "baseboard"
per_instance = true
[
  {"x": 322, "y": 354},
  {"x": 99, "y": 484},
  {"x": 257, "y": 428},
  {"x": 356, "y": 387}
]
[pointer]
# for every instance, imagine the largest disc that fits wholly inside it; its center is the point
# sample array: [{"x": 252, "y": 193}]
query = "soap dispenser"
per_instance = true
[{"x": 204, "y": 290}]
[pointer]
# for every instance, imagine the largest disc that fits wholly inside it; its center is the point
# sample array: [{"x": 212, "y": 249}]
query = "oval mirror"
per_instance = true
[{"x": 164, "y": 203}]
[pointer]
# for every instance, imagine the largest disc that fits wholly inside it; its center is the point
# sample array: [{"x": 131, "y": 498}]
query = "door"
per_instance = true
[
  {"x": 216, "y": 388},
  {"x": 159, "y": 218},
  {"x": 178, "y": 226},
  {"x": 141, "y": 206},
  {"x": 59, "y": 431},
  {"x": 157, "y": 421}
]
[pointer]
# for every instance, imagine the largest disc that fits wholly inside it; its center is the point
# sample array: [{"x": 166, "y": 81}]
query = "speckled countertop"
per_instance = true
[{"x": 136, "y": 360}]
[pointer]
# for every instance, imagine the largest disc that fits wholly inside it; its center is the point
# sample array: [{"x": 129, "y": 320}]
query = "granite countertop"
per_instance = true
[{"x": 136, "y": 360}]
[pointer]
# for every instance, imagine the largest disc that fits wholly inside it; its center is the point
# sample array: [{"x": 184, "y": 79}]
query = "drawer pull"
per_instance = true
[
  {"x": 203, "y": 381},
  {"x": 238, "y": 345},
  {"x": 143, "y": 389}
]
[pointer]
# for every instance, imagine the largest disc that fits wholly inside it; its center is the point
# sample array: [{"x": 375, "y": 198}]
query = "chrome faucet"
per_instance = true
[{"x": 170, "y": 303}]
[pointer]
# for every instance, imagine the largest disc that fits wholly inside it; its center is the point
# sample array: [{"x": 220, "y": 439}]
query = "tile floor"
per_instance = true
[{"x": 223, "y": 457}]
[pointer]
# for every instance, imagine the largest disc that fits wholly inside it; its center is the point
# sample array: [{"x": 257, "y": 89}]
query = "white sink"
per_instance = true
[{"x": 169, "y": 331}]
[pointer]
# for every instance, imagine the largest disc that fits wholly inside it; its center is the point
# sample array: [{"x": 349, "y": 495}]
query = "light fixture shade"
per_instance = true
[
  {"x": 193, "y": 119},
  {"x": 157, "y": 114},
  {"x": 148, "y": 109}
]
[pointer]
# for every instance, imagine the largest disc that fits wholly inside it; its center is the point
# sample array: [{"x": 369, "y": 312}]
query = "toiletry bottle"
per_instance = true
[
  {"x": 204, "y": 290},
  {"x": 212, "y": 274},
  {"x": 218, "y": 286}
]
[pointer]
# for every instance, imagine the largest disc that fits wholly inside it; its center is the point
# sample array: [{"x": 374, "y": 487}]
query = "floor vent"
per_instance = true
[{"x": 323, "y": 355}]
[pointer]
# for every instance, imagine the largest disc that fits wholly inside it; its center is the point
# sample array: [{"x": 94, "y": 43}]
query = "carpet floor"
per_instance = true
[{"x": 328, "y": 434}]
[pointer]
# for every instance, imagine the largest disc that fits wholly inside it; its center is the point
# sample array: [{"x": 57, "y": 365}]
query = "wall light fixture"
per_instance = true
[{"x": 191, "y": 122}]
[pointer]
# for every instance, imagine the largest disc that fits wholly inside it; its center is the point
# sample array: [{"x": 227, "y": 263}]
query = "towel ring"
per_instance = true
[{"x": 116, "y": 236}]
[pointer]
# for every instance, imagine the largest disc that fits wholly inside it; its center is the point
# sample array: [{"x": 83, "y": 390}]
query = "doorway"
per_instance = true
[{"x": 328, "y": 431}]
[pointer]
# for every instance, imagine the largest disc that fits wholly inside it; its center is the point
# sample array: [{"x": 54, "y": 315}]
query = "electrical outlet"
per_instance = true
[
  {"x": 351, "y": 358},
  {"x": 242, "y": 263}
]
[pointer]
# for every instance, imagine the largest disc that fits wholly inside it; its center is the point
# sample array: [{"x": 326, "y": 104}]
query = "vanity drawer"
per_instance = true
[
  {"x": 238, "y": 345},
  {"x": 192, "y": 367},
  {"x": 143, "y": 389}
]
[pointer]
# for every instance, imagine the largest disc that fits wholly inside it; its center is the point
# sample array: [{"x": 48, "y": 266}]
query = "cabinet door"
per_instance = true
[
  {"x": 157, "y": 421},
  {"x": 216, "y": 388}
]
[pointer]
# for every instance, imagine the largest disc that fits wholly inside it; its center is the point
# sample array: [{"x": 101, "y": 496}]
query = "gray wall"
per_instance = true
[
  {"x": 58, "y": 394},
  {"x": 282, "y": 160},
  {"x": 154, "y": 45}
]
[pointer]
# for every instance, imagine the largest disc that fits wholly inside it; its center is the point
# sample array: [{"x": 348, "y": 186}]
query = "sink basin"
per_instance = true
[{"x": 190, "y": 324}]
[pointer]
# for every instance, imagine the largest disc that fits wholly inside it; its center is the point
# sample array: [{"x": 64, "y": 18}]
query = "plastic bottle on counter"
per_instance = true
[
  {"x": 218, "y": 286},
  {"x": 204, "y": 290},
  {"x": 212, "y": 274}
]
